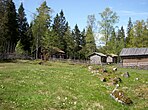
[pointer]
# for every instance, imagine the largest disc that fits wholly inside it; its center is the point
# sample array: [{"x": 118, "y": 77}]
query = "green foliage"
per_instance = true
[
  {"x": 24, "y": 30},
  {"x": 116, "y": 42},
  {"x": 137, "y": 36},
  {"x": 40, "y": 25},
  {"x": 90, "y": 41},
  {"x": 77, "y": 37},
  {"x": 112, "y": 46},
  {"x": 120, "y": 41},
  {"x": 91, "y": 21},
  {"x": 129, "y": 29},
  {"x": 69, "y": 40},
  {"x": 109, "y": 18},
  {"x": 8, "y": 26},
  {"x": 60, "y": 27}
]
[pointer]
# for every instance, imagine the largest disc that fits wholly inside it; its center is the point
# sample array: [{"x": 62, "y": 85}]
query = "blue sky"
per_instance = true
[{"x": 76, "y": 11}]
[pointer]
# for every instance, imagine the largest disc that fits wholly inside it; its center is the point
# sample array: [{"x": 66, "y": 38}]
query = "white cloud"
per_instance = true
[
  {"x": 132, "y": 13},
  {"x": 98, "y": 40}
]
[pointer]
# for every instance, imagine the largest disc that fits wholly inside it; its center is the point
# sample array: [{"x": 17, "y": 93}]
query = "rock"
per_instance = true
[
  {"x": 120, "y": 97},
  {"x": 90, "y": 68},
  {"x": 103, "y": 79},
  {"x": 116, "y": 80},
  {"x": 114, "y": 69},
  {"x": 126, "y": 75},
  {"x": 104, "y": 71}
]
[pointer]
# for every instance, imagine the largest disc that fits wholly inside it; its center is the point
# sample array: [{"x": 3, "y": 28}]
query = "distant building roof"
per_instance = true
[
  {"x": 96, "y": 53},
  {"x": 134, "y": 51},
  {"x": 112, "y": 55}
]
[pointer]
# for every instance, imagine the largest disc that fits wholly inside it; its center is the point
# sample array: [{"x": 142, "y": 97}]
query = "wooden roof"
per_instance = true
[
  {"x": 96, "y": 53},
  {"x": 134, "y": 51},
  {"x": 112, "y": 55}
]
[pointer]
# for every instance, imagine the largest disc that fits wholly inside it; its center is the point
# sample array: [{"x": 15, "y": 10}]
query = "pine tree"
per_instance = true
[
  {"x": 69, "y": 43},
  {"x": 112, "y": 45},
  {"x": 9, "y": 26},
  {"x": 2, "y": 25},
  {"x": 60, "y": 26},
  {"x": 90, "y": 41},
  {"x": 129, "y": 36},
  {"x": 120, "y": 40},
  {"x": 82, "y": 52},
  {"x": 41, "y": 23},
  {"x": 25, "y": 38},
  {"x": 77, "y": 41},
  {"x": 123, "y": 36},
  {"x": 145, "y": 37}
]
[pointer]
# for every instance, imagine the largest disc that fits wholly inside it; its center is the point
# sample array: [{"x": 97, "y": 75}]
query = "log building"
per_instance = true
[
  {"x": 134, "y": 57},
  {"x": 97, "y": 58}
]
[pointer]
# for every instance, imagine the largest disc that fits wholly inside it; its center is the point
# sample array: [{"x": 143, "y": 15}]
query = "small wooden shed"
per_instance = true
[
  {"x": 97, "y": 58},
  {"x": 112, "y": 58},
  {"x": 134, "y": 57}
]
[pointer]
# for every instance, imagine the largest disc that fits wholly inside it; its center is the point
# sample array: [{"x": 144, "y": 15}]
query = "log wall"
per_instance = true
[{"x": 135, "y": 62}]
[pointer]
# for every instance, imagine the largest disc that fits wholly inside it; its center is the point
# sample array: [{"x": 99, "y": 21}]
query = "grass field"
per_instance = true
[{"x": 26, "y": 85}]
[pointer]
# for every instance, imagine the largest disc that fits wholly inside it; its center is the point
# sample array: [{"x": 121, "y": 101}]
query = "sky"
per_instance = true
[{"x": 76, "y": 11}]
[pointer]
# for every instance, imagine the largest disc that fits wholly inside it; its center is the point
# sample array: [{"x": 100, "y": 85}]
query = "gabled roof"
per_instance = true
[
  {"x": 96, "y": 53},
  {"x": 134, "y": 51}
]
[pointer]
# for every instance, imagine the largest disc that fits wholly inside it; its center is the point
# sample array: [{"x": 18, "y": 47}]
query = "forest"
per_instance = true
[{"x": 47, "y": 34}]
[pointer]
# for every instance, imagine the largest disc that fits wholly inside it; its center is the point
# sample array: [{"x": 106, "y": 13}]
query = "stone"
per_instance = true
[
  {"x": 114, "y": 69},
  {"x": 104, "y": 71},
  {"x": 126, "y": 75},
  {"x": 120, "y": 97},
  {"x": 116, "y": 80},
  {"x": 103, "y": 79},
  {"x": 90, "y": 68}
]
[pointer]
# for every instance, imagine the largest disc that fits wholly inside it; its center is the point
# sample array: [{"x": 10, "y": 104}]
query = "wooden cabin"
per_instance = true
[
  {"x": 134, "y": 57},
  {"x": 50, "y": 52},
  {"x": 111, "y": 58},
  {"x": 97, "y": 58}
]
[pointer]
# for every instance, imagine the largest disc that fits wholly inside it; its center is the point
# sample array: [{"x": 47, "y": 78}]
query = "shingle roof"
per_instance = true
[{"x": 134, "y": 51}]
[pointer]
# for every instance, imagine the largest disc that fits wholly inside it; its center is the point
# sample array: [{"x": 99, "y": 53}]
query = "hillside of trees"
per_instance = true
[{"x": 48, "y": 35}]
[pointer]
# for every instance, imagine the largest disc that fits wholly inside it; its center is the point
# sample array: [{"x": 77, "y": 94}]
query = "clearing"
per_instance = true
[{"x": 26, "y": 85}]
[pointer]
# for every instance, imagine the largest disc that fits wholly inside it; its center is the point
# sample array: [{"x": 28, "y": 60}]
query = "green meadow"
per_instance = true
[{"x": 26, "y": 85}]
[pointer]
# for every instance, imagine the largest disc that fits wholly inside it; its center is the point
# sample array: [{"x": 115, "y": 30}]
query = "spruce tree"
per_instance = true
[
  {"x": 60, "y": 26},
  {"x": 25, "y": 38},
  {"x": 90, "y": 41},
  {"x": 9, "y": 26},
  {"x": 2, "y": 25},
  {"x": 69, "y": 42},
  {"x": 112, "y": 44},
  {"x": 129, "y": 36},
  {"x": 77, "y": 41},
  {"x": 120, "y": 41}
]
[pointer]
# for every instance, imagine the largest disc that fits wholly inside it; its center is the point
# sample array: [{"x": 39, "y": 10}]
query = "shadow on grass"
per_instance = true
[{"x": 8, "y": 61}]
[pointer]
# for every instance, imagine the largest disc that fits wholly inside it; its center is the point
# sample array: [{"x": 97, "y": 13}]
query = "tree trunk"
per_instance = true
[{"x": 37, "y": 47}]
